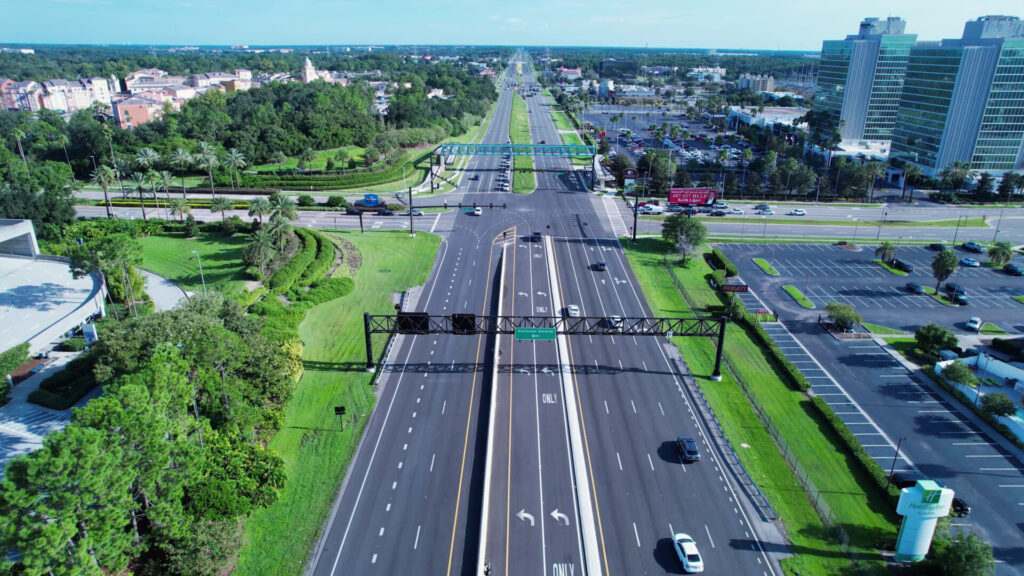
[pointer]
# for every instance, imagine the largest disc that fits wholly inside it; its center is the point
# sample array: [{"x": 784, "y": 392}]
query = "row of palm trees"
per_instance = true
[{"x": 270, "y": 237}]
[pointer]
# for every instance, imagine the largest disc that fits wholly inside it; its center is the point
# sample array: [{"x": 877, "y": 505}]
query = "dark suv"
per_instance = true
[
  {"x": 902, "y": 265},
  {"x": 688, "y": 449},
  {"x": 1013, "y": 270}
]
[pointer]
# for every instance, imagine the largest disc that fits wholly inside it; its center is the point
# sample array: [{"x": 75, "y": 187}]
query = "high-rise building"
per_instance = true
[
  {"x": 860, "y": 79},
  {"x": 964, "y": 100}
]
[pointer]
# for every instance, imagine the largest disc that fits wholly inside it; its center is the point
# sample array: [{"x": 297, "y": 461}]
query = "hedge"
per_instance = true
[
  {"x": 390, "y": 174},
  {"x": 322, "y": 263},
  {"x": 721, "y": 261},
  {"x": 1011, "y": 347},
  {"x": 873, "y": 468},
  {"x": 11, "y": 359},
  {"x": 284, "y": 277},
  {"x": 247, "y": 299},
  {"x": 66, "y": 387},
  {"x": 797, "y": 378}
]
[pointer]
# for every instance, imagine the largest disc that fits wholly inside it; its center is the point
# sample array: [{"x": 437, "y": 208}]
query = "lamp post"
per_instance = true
[
  {"x": 893, "y": 467},
  {"x": 957, "y": 231},
  {"x": 856, "y": 223},
  {"x": 880, "y": 223},
  {"x": 201, "y": 275}
]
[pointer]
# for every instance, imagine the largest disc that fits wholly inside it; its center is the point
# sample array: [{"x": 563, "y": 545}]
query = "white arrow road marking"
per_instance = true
[
  {"x": 539, "y": 293},
  {"x": 524, "y": 371},
  {"x": 521, "y": 294},
  {"x": 558, "y": 516},
  {"x": 524, "y": 516}
]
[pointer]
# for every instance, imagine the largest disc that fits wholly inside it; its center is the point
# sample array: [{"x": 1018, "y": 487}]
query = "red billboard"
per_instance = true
[{"x": 691, "y": 195}]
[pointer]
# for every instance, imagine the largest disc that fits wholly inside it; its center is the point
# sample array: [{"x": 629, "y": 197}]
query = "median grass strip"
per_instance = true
[
  {"x": 170, "y": 255},
  {"x": 851, "y": 495},
  {"x": 798, "y": 296},
  {"x": 990, "y": 328},
  {"x": 766, "y": 266},
  {"x": 883, "y": 330},
  {"x": 316, "y": 453},
  {"x": 803, "y": 221},
  {"x": 561, "y": 120},
  {"x": 889, "y": 267},
  {"x": 519, "y": 132}
]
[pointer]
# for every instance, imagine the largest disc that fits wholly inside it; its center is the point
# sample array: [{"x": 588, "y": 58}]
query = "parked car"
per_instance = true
[
  {"x": 797, "y": 212},
  {"x": 973, "y": 247},
  {"x": 688, "y": 554},
  {"x": 1013, "y": 270},
  {"x": 974, "y": 324},
  {"x": 959, "y": 506},
  {"x": 952, "y": 288},
  {"x": 970, "y": 262},
  {"x": 687, "y": 448},
  {"x": 915, "y": 288},
  {"x": 937, "y": 246},
  {"x": 902, "y": 265}
]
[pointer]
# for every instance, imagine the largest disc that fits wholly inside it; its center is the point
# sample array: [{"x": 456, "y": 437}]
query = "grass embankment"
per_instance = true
[
  {"x": 319, "y": 163},
  {"x": 991, "y": 329},
  {"x": 316, "y": 454},
  {"x": 882, "y": 330},
  {"x": 766, "y": 266},
  {"x": 519, "y": 133},
  {"x": 889, "y": 267},
  {"x": 850, "y": 492},
  {"x": 798, "y": 296},
  {"x": 169, "y": 256}
]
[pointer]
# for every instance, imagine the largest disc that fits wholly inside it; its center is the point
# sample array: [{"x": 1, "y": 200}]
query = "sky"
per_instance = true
[{"x": 743, "y": 24}]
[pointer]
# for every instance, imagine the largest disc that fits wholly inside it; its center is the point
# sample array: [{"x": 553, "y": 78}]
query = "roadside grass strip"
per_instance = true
[
  {"x": 851, "y": 495},
  {"x": 990, "y": 328},
  {"x": 519, "y": 133},
  {"x": 766, "y": 267},
  {"x": 798, "y": 296},
  {"x": 889, "y": 268},
  {"x": 278, "y": 539},
  {"x": 882, "y": 330}
]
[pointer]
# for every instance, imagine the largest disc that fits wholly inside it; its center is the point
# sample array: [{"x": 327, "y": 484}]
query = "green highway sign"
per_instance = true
[{"x": 535, "y": 333}]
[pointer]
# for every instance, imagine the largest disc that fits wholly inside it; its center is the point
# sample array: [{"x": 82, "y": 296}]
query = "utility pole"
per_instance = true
[
  {"x": 893, "y": 467},
  {"x": 957, "y": 231},
  {"x": 412, "y": 228},
  {"x": 880, "y": 223}
]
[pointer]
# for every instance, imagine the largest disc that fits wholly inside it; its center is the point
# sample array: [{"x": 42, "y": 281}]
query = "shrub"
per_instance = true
[
  {"x": 13, "y": 358},
  {"x": 76, "y": 344},
  {"x": 63, "y": 389},
  {"x": 718, "y": 277},
  {"x": 718, "y": 260},
  {"x": 191, "y": 227},
  {"x": 931, "y": 338},
  {"x": 1011, "y": 347},
  {"x": 322, "y": 263},
  {"x": 998, "y": 404},
  {"x": 284, "y": 277},
  {"x": 231, "y": 225},
  {"x": 305, "y": 200},
  {"x": 337, "y": 201},
  {"x": 254, "y": 273},
  {"x": 247, "y": 299}
]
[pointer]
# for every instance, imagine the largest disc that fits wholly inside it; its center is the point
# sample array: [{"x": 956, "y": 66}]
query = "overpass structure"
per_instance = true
[{"x": 450, "y": 151}]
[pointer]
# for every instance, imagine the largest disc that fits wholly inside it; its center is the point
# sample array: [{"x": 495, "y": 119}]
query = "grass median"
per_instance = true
[
  {"x": 798, "y": 296},
  {"x": 316, "y": 454},
  {"x": 766, "y": 267},
  {"x": 802, "y": 221},
  {"x": 881, "y": 330},
  {"x": 851, "y": 494},
  {"x": 889, "y": 267},
  {"x": 523, "y": 178}
]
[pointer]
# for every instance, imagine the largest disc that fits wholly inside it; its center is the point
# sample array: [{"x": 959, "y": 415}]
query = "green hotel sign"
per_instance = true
[{"x": 535, "y": 333}]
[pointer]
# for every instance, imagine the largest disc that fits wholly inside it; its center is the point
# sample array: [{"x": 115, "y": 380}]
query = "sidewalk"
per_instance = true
[{"x": 166, "y": 295}]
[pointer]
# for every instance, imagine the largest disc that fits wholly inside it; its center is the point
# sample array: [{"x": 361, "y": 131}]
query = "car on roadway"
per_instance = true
[
  {"x": 352, "y": 212},
  {"x": 385, "y": 212},
  {"x": 1013, "y": 270},
  {"x": 974, "y": 324},
  {"x": 718, "y": 212},
  {"x": 720, "y": 205},
  {"x": 690, "y": 211},
  {"x": 478, "y": 211},
  {"x": 797, "y": 212},
  {"x": 615, "y": 322},
  {"x": 674, "y": 208},
  {"x": 973, "y": 247},
  {"x": 601, "y": 266},
  {"x": 970, "y": 262},
  {"x": 573, "y": 311},
  {"x": 414, "y": 212},
  {"x": 915, "y": 288},
  {"x": 687, "y": 448},
  {"x": 474, "y": 177},
  {"x": 535, "y": 237},
  {"x": 688, "y": 554},
  {"x": 704, "y": 209},
  {"x": 735, "y": 211},
  {"x": 765, "y": 212}
]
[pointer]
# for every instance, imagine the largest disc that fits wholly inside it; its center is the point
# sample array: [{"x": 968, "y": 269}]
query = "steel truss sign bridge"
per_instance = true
[
  {"x": 471, "y": 324},
  {"x": 561, "y": 150}
]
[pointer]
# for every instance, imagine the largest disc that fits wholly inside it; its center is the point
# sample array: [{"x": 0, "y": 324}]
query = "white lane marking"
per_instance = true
[
  {"x": 417, "y": 541},
  {"x": 443, "y": 406},
  {"x": 374, "y": 559},
  {"x": 381, "y": 533},
  {"x": 660, "y": 408},
  {"x": 633, "y": 405},
  {"x": 409, "y": 431},
  {"x": 394, "y": 485},
  {"x": 432, "y": 456},
  {"x": 620, "y": 461},
  {"x": 645, "y": 365},
  {"x": 400, "y": 465},
  {"x": 651, "y": 462},
  {"x": 637, "y": 534},
  {"x": 606, "y": 407},
  {"x": 996, "y": 469}
]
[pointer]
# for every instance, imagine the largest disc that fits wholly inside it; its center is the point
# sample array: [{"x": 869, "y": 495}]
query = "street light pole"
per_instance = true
[
  {"x": 880, "y": 223},
  {"x": 893, "y": 467},
  {"x": 856, "y": 223},
  {"x": 201, "y": 275},
  {"x": 957, "y": 231}
]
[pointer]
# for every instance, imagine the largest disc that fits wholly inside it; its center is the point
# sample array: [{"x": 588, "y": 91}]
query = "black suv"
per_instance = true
[
  {"x": 959, "y": 506},
  {"x": 952, "y": 288},
  {"x": 718, "y": 212},
  {"x": 902, "y": 265},
  {"x": 1013, "y": 270},
  {"x": 688, "y": 449},
  {"x": 762, "y": 207},
  {"x": 937, "y": 246}
]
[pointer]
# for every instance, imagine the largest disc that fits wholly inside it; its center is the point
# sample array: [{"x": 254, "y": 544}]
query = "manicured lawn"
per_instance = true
[
  {"x": 278, "y": 539},
  {"x": 519, "y": 133},
  {"x": 990, "y": 328},
  {"x": 876, "y": 329},
  {"x": 798, "y": 296},
  {"x": 889, "y": 268},
  {"x": 168, "y": 255},
  {"x": 766, "y": 266},
  {"x": 320, "y": 163},
  {"x": 850, "y": 493},
  {"x": 573, "y": 138}
]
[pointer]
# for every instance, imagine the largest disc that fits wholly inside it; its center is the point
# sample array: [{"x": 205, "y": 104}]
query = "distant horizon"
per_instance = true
[
  {"x": 741, "y": 25},
  {"x": 721, "y": 51}
]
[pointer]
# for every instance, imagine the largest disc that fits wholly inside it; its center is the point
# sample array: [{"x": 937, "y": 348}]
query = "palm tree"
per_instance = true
[
  {"x": 62, "y": 140},
  {"x": 163, "y": 178},
  {"x": 179, "y": 208},
  {"x": 278, "y": 227},
  {"x": 206, "y": 159},
  {"x": 873, "y": 170},
  {"x": 279, "y": 158},
  {"x": 958, "y": 172},
  {"x": 104, "y": 177},
  {"x": 306, "y": 158},
  {"x": 1000, "y": 253},
  {"x": 222, "y": 205},
  {"x": 236, "y": 160},
  {"x": 120, "y": 167},
  {"x": 18, "y": 137},
  {"x": 886, "y": 252},
  {"x": 840, "y": 164},
  {"x": 146, "y": 158},
  {"x": 259, "y": 207},
  {"x": 139, "y": 180},
  {"x": 152, "y": 178},
  {"x": 911, "y": 172},
  {"x": 943, "y": 266},
  {"x": 281, "y": 205},
  {"x": 182, "y": 159},
  {"x": 723, "y": 156},
  {"x": 261, "y": 247}
]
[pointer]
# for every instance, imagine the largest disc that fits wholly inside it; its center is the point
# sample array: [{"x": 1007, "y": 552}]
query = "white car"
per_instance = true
[
  {"x": 797, "y": 212},
  {"x": 736, "y": 211},
  {"x": 573, "y": 310},
  {"x": 721, "y": 205},
  {"x": 615, "y": 322},
  {"x": 478, "y": 211},
  {"x": 974, "y": 324},
  {"x": 686, "y": 549}
]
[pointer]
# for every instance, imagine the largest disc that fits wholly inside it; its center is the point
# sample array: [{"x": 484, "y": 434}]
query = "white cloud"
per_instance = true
[{"x": 514, "y": 20}]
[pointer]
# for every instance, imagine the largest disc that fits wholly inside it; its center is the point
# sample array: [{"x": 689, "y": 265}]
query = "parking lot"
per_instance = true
[{"x": 827, "y": 273}]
